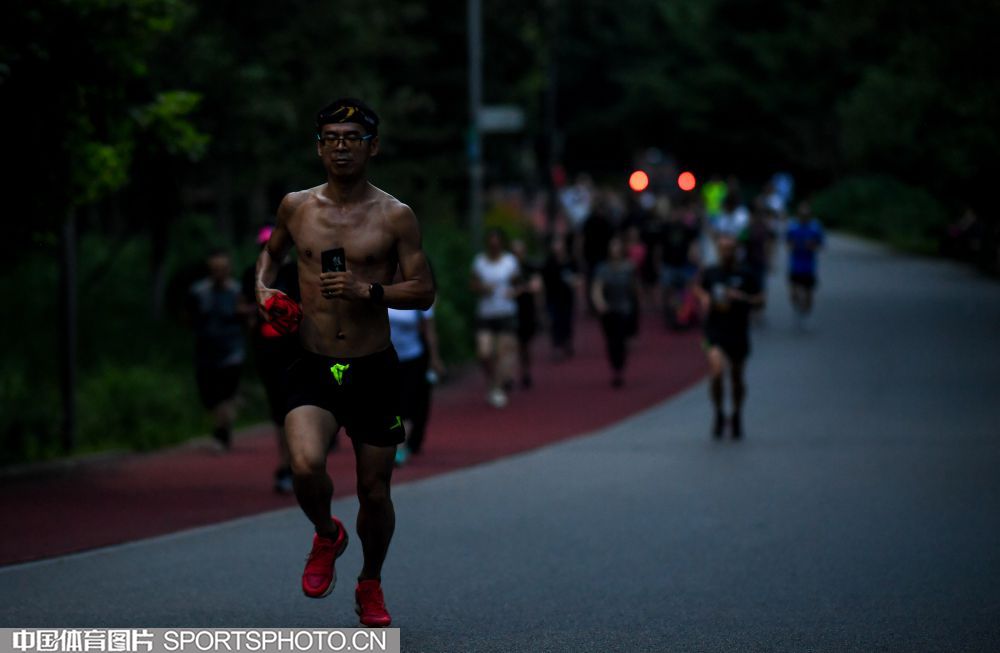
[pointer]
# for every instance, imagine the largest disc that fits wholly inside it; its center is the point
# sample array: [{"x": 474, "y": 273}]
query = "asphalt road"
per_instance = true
[{"x": 862, "y": 511}]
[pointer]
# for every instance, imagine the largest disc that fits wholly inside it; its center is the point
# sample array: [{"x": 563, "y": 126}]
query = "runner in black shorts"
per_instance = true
[
  {"x": 218, "y": 313},
  {"x": 806, "y": 280},
  {"x": 528, "y": 291},
  {"x": 495, "y": 277},
  {"x": 362, "y": 394},
  {"x": 728, "y": 292},
  {"x": 272, "y": 354},
  {"x": 805, "y": 239},
  {"x": 351, "y": 239}
]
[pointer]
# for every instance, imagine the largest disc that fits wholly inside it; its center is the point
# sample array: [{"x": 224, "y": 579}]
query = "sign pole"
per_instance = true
[{"x": 475, "y": 140}]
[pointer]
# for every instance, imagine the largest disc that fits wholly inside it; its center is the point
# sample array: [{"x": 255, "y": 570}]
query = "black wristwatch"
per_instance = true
[{"x": 376, "y": 292}]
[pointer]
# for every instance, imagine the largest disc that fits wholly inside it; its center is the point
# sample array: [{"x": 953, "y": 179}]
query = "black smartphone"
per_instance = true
[{"x": 333, "y": 260}]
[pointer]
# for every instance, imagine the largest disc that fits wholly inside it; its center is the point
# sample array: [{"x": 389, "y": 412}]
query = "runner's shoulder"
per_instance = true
[
  {"x": 295, "y": 200},
  {"x": 395, "y": 212}
]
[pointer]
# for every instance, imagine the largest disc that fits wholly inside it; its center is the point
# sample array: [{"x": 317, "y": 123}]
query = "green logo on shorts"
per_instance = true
[
  {"x": 398, "y": 424},
  {"x": 338, "y": 370}
]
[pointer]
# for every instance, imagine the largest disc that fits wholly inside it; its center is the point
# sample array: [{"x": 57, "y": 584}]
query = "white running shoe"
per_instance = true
[{"x": 497, "y": 398}]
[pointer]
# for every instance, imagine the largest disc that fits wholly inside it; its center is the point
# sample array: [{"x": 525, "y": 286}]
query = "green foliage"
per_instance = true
[
  {"x": 454, "y": 330},
  {"x": 881, "y": 207},
  {"x": 167, "y": 119},
  {"x": 101, "y": 169},
  {"x": 136, "y": 384},
  {"x": 194, "y": 235},
  {"x": 28, "y": 370},
  {"x": 72, "y": 73},
  {"x": 138, "y": 407},
  {"x": 450, "y": 254},
  {"x": 923, "y": 114},
  {"x": 28, "y": 418},
  {"x": 510, "y": 221}
]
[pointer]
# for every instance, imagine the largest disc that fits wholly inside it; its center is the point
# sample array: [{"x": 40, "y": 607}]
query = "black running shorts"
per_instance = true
[
  {"x": 217, "y": 384},
  {"x": 363, "y": 393},
  {"x": 497, "y": 325},
  {"x": 736, "y": 346},
  {"x": 803, "y": 279}
]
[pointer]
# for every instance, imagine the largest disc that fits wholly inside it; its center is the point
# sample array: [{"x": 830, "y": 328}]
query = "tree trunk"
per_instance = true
[
  {"x": 159, "y": 236},
  {"x": 67, "y": 329}
]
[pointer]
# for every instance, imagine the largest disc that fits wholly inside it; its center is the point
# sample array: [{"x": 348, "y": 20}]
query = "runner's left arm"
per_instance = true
[
  {"x": 701, "y": 292},
  {"x": 752, "y": 295},
  {"x": 417, "y": 288}
]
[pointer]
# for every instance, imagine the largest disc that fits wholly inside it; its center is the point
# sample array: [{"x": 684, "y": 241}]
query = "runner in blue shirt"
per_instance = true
[{"x": 804, "y": 238}]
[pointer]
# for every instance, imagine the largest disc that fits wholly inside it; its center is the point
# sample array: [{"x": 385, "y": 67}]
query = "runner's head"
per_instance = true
[
  {"x": 519, "y": 249},
  {"x": 219, "y": 266},
  {"x": 347, "y": 136},
  {"x": 616, "y": 248},
  {"x": 495, "y": 242},
  {"x": 557, "y": 246},
  {"x": 348, "y": 110},
  {"x": 726, "y": 247},
  {"x": 662, "y": 209}
]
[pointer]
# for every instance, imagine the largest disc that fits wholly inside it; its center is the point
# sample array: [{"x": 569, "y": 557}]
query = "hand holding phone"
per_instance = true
[{"x": 334, "y": 260}]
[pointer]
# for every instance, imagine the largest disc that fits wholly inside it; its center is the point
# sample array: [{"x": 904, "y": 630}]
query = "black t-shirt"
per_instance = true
[
  {"x": 557, "y": 275},
  {"x": 218, "y": 323},
  {"x": 597, "y": 233},
  {"x": 526, "y": 298},
  {"x": 724, "y": 315},
  {"x": 759, "y": 234},
  {"x": 676, "y": 238}
]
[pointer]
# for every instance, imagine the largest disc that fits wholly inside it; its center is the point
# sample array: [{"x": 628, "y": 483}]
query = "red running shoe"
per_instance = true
[
  {"x": 320, "y": 574},
  {"x": 371, "y": 604}
]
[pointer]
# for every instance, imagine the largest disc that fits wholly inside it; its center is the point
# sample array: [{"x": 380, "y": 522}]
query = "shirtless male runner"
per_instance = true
[{"x": 347, "y": 373}]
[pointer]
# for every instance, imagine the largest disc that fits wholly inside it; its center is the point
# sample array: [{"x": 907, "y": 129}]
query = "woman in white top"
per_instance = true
[{"x": 495, "y": 274}]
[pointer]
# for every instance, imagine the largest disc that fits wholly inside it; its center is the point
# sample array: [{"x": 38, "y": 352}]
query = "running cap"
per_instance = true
[
  {"x": 348, "y": 110},
  {"x": 264, "y": 234}
]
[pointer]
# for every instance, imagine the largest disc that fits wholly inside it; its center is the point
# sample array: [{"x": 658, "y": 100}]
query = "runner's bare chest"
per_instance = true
[{"x": 362, "y": 231}]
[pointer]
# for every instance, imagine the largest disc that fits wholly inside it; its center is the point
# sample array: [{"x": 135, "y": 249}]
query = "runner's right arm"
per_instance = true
[
  {"x": 476, "y": 284},
  {"x": 597, "y": 297},
  {"x": 704, "y": 299},
  {"x": 273, "y": 253}
]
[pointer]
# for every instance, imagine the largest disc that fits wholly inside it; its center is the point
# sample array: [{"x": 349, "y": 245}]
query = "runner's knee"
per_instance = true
[
  {"x": 484, "y": 346},
  {"x": 716, "y": 364},
  {"x": 305, "y": 462},
  {"x": 373, "y": 490}
]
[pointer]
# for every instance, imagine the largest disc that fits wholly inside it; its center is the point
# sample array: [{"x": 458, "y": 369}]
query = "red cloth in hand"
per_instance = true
[{"x": 285, "y": 316}]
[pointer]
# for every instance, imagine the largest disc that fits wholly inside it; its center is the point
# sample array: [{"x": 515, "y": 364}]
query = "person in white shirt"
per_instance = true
[
  {"x": 495, "y": 273},
  {"x": 415, "y": 339},
  {"x": 734, "y": 219}
]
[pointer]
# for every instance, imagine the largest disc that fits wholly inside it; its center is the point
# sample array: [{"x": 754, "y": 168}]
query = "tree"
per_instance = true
[{"x": 72, "y": 111}]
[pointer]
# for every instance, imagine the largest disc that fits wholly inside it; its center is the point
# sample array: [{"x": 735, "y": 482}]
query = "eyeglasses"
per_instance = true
[{"x": 352, "y": 140}]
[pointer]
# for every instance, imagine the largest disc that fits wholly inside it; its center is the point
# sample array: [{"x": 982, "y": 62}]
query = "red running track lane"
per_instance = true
[{"x": 143, "y": 495}]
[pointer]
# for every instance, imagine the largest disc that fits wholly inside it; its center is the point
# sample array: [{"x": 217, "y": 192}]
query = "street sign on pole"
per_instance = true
[{"x": 500, "y": 118}]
